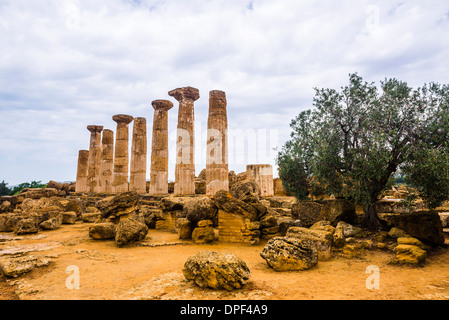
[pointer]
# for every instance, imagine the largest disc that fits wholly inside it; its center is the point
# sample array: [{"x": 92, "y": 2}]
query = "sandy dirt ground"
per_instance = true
[{"x": 153, "y": 270}]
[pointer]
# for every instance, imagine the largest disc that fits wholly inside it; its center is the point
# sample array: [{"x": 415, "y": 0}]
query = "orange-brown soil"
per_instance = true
[{"x": 153, "y": 271}]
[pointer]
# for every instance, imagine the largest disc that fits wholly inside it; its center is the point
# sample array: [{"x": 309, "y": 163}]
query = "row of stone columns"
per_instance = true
[{"x": 101, "y": 172}]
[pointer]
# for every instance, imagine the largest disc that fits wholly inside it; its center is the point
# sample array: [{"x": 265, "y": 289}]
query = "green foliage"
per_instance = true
[
  {"x": 4, "y": 190},
  {"x": 33, "y": 185},
  {"x": 355, "y": 140}
]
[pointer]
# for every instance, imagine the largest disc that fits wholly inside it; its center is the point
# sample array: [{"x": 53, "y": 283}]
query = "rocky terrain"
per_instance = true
[{"x": 130, "y": 246}]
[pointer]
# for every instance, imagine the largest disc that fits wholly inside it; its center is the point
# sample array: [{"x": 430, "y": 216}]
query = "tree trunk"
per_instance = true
[{"x": 372, "y": 221}]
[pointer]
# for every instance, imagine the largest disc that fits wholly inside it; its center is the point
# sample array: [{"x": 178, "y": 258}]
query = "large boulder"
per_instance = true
[
  {"x": 199, "y": 209},
  {"x": 247, "y": 191},
  {"x": 103, "y": 231},
  {"x": 69, "y": 217},
  {"x": 26, "y": 226},
  {"x": 338, "y": 210},
  {"x": 216, "y": 271},
  {"x": 173, "y": 203},
  {"x": 310, "y": 212},
  {"x": 290, "y": 254},
  {"x": 120, "y": 205},
  {"x": 203, "y": 235},
  {"x": 185, "y": 228},
  {"x": 423, "y": 225},
  {"x": 52, "y": 223},
  {"x": 15, "y": 267},
  {"x": 410, "y": 254},
  {"x": 307, "y": 212},
  {"x": 130, "y": 230},
  {"x": 321, "y": 239},
  {"x": 226, "y": 202},
  {"x": 32, "y": 193}
]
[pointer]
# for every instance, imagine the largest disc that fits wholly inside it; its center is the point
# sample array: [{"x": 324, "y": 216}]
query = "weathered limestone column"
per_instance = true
[
  {"x": 138, "y": 178},
  {"x": 107, "y": 161},
  {"x": 185, "y": 147},
  {"x": 217, "y": 144},
  {"x": 81, "y": 173},
  {"x": 262, "y": 174},
  {"x": 159, "y": 148},
  {"x": 121, "y": 158},
  {"x": 93, "y": 170}
]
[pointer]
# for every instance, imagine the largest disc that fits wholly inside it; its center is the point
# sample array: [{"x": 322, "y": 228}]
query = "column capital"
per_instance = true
[
  {"x": 123, "y": 118},
  {"x": 95, "y": 129},
  {"x": 185, "y": 93},
  {"x": 163, "y": 105}
]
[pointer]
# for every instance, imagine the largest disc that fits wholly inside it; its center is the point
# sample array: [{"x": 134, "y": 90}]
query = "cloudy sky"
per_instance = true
[{"x": 66, "y": 64}]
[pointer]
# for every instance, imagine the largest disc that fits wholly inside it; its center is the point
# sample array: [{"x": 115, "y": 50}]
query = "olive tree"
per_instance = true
[{"x": 353, "y": 142}]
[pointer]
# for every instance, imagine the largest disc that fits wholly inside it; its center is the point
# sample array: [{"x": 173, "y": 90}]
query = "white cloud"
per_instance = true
[{"x": 67, "y": 64}]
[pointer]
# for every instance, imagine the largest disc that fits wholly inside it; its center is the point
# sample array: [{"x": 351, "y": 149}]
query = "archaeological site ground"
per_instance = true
[{"x": 209, "y": 235}]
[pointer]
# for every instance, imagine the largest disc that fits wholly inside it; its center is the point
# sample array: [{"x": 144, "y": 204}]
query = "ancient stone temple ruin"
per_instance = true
[
  {"x": 139, "y": 156},
  {"x": 109, "y": 170},
  {"x": 93, "y": 168},
  {"x": 217, "y": 144},
  {"x": 159, "y": 148},
  {"x": 185, "y": 148},
  {"x": 121, "y": 158}
]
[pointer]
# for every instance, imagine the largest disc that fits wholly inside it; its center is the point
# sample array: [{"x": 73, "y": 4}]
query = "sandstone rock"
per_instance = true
[
  {"x": 323, "y": 225},
  {"x": 216, "y": 271},
  {"x": 226, "y": 202},
  {"x": 38, "y": 193},
  {"x": 396, "y": 233},
  {"x": 338, "y": 210},
  {"x": 5, "y": 206},
  {"x": 90, "y": 217},
  {"x": 308, "y": 212},
  {"x": 102, "y": 231},
  {"x": 75, "y": 205},
  {"x": 26, "y": 226},
  {"x": 200, "y": 186},
  {"x": 185, "y": 228},
  {"x": 199, "y": 209},
  {"x": 348, "y": 229},
  {"x": 444, "y": 216},
  {"x": 339, "y": 239},
  {"x": 290, "y": 254},
  {"x": 52, "y": 223},
  {"x": 18, "y": 266},
  {"x": 203, "y": 235},
  {"x": 130, "y": 230},
  {"x": 321, "y": 239},
  {"x": 173, "y": 203},
  {"x": 247, "y": 191},
  {"x": 119, "y": 205},
  {"x": 410, "y": 241},
  {"x": 69, "y": 217},
  {"x": 205, "y": 223},
  {"x": 285, "y": 223},
  {"x": 410, "y": 254},
  {"x": 423, "y": 225}
]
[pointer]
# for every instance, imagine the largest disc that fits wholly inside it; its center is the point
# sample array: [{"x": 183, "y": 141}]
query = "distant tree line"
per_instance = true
[{"x": 6, "y": 191}]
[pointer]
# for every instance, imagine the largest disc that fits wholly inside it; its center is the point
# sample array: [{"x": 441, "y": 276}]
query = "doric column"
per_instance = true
[
  {"x": 159, "y": 148},
  {"x": 93, "y": 171},
  {"x": 138, "y": 179},
  {"x": 107, "y": 161},
  {"x": 185, "y": 146},
  {"x": 217, "y": 144},
  {"x": 81, "y": 173},
  {"x": 121, "y": 157},
  {"x": 262, "y": 174}
]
